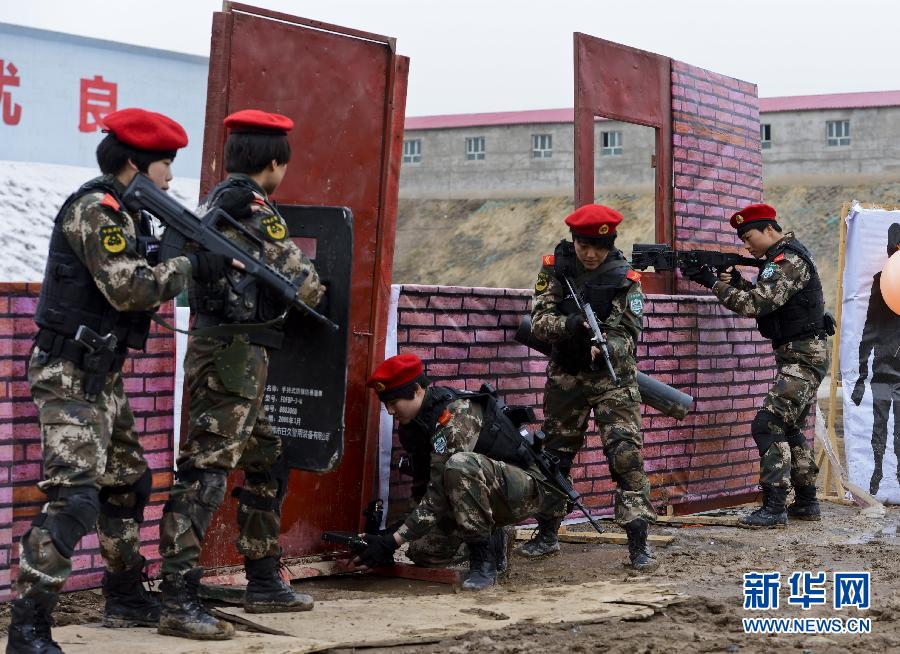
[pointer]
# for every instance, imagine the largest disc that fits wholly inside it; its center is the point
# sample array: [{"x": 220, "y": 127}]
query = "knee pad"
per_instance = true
[
  {"x": 767, "y": 428},
  {"x": 626, "y": 465},
  {"x": 141, "y": 490},
  {"x": 795, "y": 438},
  {"x": 199, "y": 504},
  {"x": 74, "y": 519}
]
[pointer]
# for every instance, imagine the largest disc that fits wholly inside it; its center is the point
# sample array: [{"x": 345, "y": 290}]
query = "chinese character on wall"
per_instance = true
[
  {"x": 97, "y": 99},
  {"x": 11, "y": 112}
]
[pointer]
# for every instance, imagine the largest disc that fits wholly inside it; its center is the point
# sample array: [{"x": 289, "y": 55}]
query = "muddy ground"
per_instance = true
[{"x": 704, "y": 564}]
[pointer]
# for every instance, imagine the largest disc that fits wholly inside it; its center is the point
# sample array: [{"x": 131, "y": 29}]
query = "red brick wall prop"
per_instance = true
[
  {"x": 466, "y": 337},
  {"x": 149, "y": 383},
  {"x": 717, "y": 159}
]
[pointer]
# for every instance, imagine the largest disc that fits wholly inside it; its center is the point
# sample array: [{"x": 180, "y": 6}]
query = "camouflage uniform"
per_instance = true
[
  {"x": 226, "y": 377},
  {"x": 570, "y": 398},
  {"x": 468, "y": 494},
  {"x": 802, "y": 364},
  {"x": 92, "y": 445}
]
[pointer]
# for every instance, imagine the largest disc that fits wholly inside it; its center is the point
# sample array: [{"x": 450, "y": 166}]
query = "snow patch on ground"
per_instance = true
[{"x": 30, "y": 196}]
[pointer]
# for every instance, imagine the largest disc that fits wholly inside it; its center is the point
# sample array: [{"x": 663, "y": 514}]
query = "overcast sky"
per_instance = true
[{"x": 470, "y": 56}]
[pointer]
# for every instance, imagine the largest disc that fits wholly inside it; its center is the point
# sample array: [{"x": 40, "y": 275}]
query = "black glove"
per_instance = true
[
  {"x": 736, "y": 278},
  {"x": 575, "y": 324},
  {"x": 208, "y": 266},
  {"x": 236, "y": 202},
  {"x": 380, "y": 550},
  {"x": 859, "y": 390},
  {"x": 701, "y": 275}
]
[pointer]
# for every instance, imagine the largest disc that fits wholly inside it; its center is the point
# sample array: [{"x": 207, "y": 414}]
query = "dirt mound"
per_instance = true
[{"x": 499, "y": 242}]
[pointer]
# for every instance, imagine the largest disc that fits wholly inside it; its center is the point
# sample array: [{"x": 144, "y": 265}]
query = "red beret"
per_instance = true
[
  {"x": 254, "y": 120},
  {"x": 593, "y": 220},
  {"x": 145, "y": 130},
  {"x": 744, "y": 218},
  {"x": 394, "y": 375}
]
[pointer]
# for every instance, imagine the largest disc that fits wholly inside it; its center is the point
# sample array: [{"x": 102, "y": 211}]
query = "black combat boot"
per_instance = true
[
  {"x": 545, "y": 541},
  {"x": 183, "y": 614},
  {"x": 29, "y": 626},
  {"x": 771, "y": 514},
  {"x": 875, "y": 481},
  {"x": 267, "y": 592},
  {"x": 502, "y": 540},
  {"x": 127, "y": 603},
  {"x": 805, "y": 505},
  {"x": 482, "y": 566},
  {"x": 638, "y": 549}
]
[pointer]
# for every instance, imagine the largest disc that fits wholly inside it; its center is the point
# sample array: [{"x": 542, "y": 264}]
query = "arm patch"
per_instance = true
[
  {"x": 444, "y": 418},
  {"x": 109, "y": 201},
  {"x": 633, "y": 275},
  {"x": 779, "y": 258},
  {"x": 548, "y": 260}
]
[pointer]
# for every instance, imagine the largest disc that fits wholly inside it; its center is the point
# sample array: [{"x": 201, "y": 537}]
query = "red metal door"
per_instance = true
[
  {"x": 346, "y": 92},
  {"x": 622, "y": 83}
]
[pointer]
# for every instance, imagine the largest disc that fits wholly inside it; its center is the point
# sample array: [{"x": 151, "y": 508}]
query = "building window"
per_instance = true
[
  {"x": 611, "y": 143},
  {"x": 475, "y": 148},
  {"x": 412, "y": 151},
  {"x": 838, "y": 132},
  {"x": 765, "y": 135},
  {"x": 541, "y": 146}
]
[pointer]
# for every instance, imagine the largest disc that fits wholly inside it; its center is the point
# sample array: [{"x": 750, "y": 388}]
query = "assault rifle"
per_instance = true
[
  {"x": 183, "y": 226},
  {"x": 346, "y": 539},
  {"x": 662, "y": 257},
  {"x": 598, "y": 338}
]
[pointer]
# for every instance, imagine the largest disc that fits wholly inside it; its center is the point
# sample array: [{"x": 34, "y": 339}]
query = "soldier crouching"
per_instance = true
[{"x": 470, "y": 496}]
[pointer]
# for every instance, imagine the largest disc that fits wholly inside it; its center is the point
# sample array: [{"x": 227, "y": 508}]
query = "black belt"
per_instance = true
[
  {"x": 54, "y": 345},
  {"x": 269, "y": 338}
]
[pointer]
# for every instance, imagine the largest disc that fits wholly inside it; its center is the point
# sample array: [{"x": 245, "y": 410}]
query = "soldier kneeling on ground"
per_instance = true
[{"x": 469, "y": 496}]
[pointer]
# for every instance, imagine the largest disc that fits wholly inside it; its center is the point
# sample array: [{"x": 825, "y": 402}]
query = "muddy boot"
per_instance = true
[
  {"x": 638, "y": 549},
  {"x": 805, "y": 505},
  {"x": 771, "y": 514},
  {"x": 267, "y": 592},
  {"x": 545, "y": 541},
  {"x": 482, "y": 566},
  {"x": 29, "y": 626},
  {"x": 183, "y": 614},
  {"x": 127, "y": 603}
]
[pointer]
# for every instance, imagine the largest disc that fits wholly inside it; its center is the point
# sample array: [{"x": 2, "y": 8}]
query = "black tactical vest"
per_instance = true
[
  {"x": 499, "y": 438},
  {"x": 70, "y": 298},
  {"x": 803, "y": 314},
  {"x": 598, "y": 288},
  {"x": 218, "y": 302}
]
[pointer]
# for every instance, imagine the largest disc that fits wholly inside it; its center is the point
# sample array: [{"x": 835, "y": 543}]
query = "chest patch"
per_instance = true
[
  {"x": 769, "y": 270},
  {"x": 543, "y": 281},
  {"x": 636, "y": 304},
  {"x": 440, "y": 445},
  {"x": 112, "y": 239},
  {"x": 274, "y": 228}
]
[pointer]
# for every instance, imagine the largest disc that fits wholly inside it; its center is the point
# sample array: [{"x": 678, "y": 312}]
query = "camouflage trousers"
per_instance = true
[
  {"x": 89, "y": 450},
  {"x": 568, "y": 402},
  {"x": 789, "y": 460},
  {"x": 443, "y": 545},
  {"x": 226, "y": 382},
  {"x": 483, "y": 493}
]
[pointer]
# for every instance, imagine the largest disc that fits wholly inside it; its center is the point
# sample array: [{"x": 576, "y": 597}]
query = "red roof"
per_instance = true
[{"x": 766, "y": 105}]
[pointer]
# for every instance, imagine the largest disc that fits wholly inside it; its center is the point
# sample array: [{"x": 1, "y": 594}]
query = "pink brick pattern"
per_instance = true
[
  {"x": 465, "y": 336},
  {"x": 150, "y": 386},
  {"x": 717, "y": 161}
]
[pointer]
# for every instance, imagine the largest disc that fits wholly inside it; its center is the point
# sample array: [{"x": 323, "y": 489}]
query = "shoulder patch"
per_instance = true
[
  {"x": 444, "y": 418},
  {"x": 274, "y": 227},
  {"x": 109, "y": 201},
  {"x": 633, "y": 275},
  {"x": 542, "y": 282},
  {"x": 770, "y": 269},
  {"x": 548, "y": 260},
  {"x": 779, "y": 258},
  {"x": 112, "y": 239},
  {"x": 636, "y": 303}
]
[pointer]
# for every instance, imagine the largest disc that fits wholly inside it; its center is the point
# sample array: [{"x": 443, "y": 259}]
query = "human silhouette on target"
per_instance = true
[{"x": 881, "y": 334}]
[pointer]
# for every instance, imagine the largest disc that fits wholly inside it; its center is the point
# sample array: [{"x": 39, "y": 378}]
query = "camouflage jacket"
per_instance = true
[
  {"x": 103, "y": 235},
  {"x": 780, "y": 279},
  {"x": 622, "y": 327},
  {"x": 279, "y": 251},
  {"x": 457, "y": 430}
]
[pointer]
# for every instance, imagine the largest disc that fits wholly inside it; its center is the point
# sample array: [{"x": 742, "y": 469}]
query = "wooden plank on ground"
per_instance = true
[
  {"x": 708, "y": 520},
  {"x": 609, "y": 538}
]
